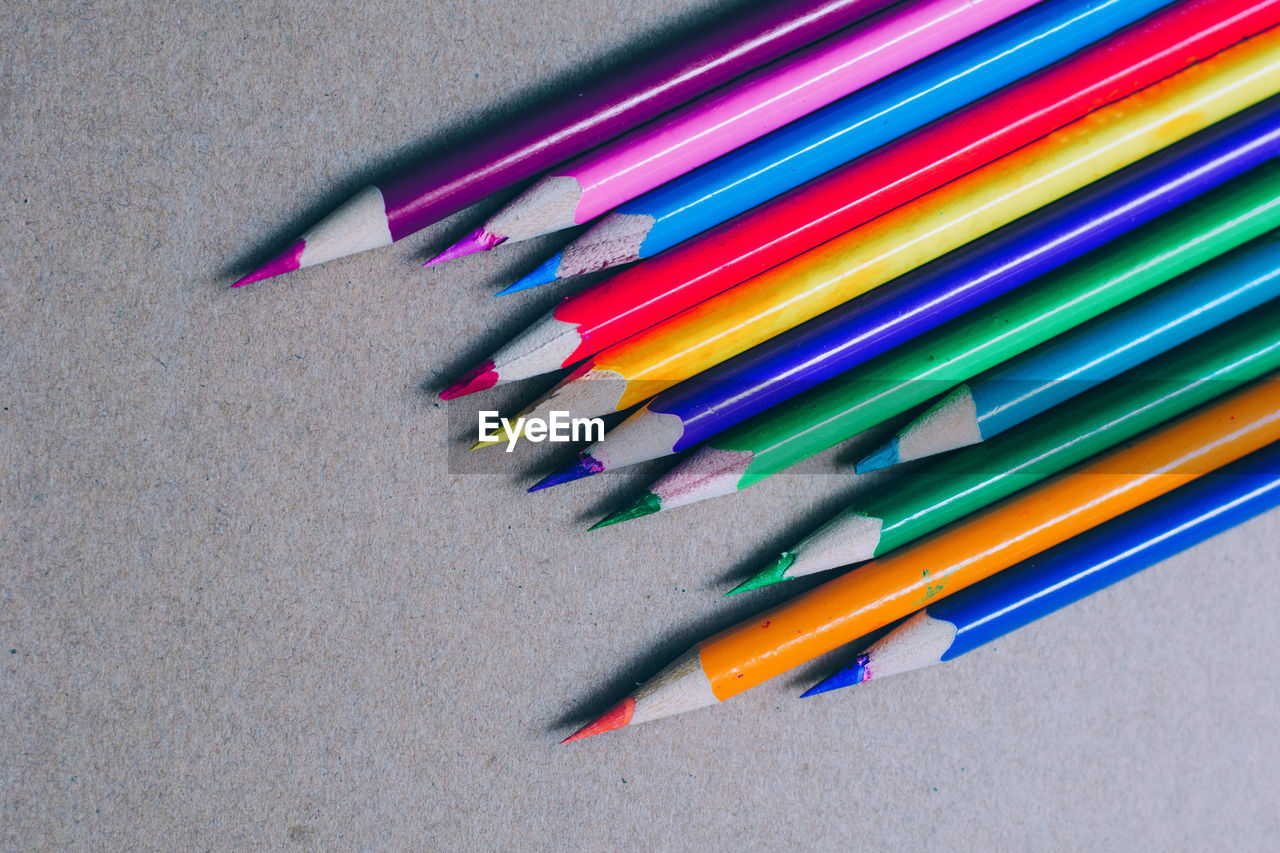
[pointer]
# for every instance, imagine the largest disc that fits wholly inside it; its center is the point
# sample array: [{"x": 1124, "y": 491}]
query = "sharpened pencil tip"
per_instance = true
[
  {"x": 854, "y": 673},
  {"x": 883, "y": 457},
  {"x": 502, "y": 435},
  {"x": 611, "y": 720},
  {"x": 776, "y": 572},
  {"x": 479, "y": 240},
  {"x": 646, "y": 504},
  {"x": 584, "y": 467},
  {"x": 287, "y": 261},
  {"x": 478, "y": 378},
  {"x": 546, "y": 273}
]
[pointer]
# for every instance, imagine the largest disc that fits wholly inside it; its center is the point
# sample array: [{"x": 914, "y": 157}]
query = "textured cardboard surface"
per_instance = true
[{"x": 254, "y": 596}]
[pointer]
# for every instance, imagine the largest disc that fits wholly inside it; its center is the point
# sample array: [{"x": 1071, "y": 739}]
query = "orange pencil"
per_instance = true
[{"x": 870, "y": 597}]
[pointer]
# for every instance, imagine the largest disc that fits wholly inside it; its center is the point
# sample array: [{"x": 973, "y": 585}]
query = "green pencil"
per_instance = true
[
  {"x": 968, "y": 480},
  {"x": 914, "y": 372}
]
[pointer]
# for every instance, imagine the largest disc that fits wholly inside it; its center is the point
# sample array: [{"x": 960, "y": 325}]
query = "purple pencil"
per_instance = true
[{"x": 431, "y": 190}]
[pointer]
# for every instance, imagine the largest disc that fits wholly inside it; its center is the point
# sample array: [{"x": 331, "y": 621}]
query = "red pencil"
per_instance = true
[{"x": 729, "y": 254}]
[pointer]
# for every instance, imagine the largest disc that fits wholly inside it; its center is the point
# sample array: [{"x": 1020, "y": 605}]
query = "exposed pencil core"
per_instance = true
[
  {"x": 478, "y": 378},
  {"x": 546, "y": 272},
  {"x": 479, "y": 240},
  {"x": 646, "y": 504},
  {"x": 854, "y": 673},
  {"x": 287, "y": 261},
  {"x": 584, "y": 467},
  {"x": 775, "y": 573},
  {"x": 611, "y": 720},
  {"x": 886, "y": 456}
]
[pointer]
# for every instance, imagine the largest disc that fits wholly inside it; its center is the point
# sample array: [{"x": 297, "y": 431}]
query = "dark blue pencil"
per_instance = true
[{"x": 1074, "y": 570}]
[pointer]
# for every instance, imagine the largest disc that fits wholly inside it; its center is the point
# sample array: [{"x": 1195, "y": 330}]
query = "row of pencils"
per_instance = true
[{"x": 1047, "y": 228}]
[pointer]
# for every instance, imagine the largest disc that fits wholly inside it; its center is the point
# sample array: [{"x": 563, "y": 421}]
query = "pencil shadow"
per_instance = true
[
  {"x": 555, "y": 456},
  {"x": 487, "y": 120},
  {"x": 803, "y": 677},
  {"x": 641, "y": 477},
  {"x": 793, "y": 530},
  {"x": 645, "y": 665},
  {"x": 516, "y": 312}
]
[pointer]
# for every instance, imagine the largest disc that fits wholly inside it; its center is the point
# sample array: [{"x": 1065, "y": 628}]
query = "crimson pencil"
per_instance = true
[
  {"x": 433, "y": 189},
  {"x": 660, "y": 287}
]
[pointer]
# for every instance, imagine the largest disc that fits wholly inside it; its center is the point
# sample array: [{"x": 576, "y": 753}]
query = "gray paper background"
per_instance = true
[{"x": 253, "y": 596}]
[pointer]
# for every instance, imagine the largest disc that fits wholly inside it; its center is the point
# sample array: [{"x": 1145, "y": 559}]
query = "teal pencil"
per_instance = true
[{"x": 1071, "y": 364}]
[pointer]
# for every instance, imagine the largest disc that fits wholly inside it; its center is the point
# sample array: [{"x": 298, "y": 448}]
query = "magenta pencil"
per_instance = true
[
  {"x": 433, "y": 189},
  {"x": 734, "y": 115}
]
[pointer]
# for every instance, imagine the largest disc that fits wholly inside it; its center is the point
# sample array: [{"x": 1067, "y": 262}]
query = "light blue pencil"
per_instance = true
[{"x": 1076, "y": 361}]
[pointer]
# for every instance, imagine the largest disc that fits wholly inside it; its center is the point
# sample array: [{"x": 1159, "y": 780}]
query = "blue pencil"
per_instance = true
[
  {"x": 1074, "y": 570},
  {"x": 1076, "y": 361},
  {"x": 837, "y": 134},
  {"x": 800, "y": 359}
]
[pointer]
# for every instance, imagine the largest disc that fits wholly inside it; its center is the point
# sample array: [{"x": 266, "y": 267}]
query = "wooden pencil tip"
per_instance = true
[
  {"x": 646, "y": 504},
  {"x": 854, "y": 673},
  {"x": 611, "y": 720},
  {"x": 774, "y": 573},
  {"x": 478, "y": 378},
  {"x": 479, "y": 240},
  {"x": 546, "y": 273},
  {"x": 882, "y": 457},
  {"x": 287, "y": 261},
  {"x": 584, "y": 467}
]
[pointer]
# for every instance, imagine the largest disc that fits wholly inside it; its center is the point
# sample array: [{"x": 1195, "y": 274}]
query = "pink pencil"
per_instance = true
[{"x": 734, "y": 115}]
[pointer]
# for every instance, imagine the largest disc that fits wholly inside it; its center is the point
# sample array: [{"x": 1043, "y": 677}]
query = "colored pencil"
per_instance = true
[
  {"x": 1032, "y": 177},
  {"x": 734, "y": 115},
  {"x": 849, "y": 335},
  {"x": 893, "y": 383},
  {"x": 969, "y": 480},
  {"x": 430, "y": 190},
  {"x": 872, "y": 596},
  {"x": 862, "y": 122},
  {"x": 637, "y": 298},
  {"x": 1072, "y": 571},
  {"x": 1077, "y": 361}
]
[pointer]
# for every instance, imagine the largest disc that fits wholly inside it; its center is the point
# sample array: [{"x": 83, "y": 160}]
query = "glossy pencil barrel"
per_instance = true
[
  {"x": 872, "y": 117},
  {"x": 810, "y": 354},
  {"x": 1074, "y": 570},
  {"x": 964, "y": 210},
  {"x": 1014, "y": 394},
  {"x": 432, "y": 189},
  {"x": 893, "y": 315},
  {"x": 1133, "y": 542},
  {"x": 871, "y": 597},
  {"x": 732, "y": 116},
  {"x": 635, "y": 299},
  {"x": 969, "y": 480},
  {"x": 890, "y": 384},
  {"x": 822, "y": 418}
]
